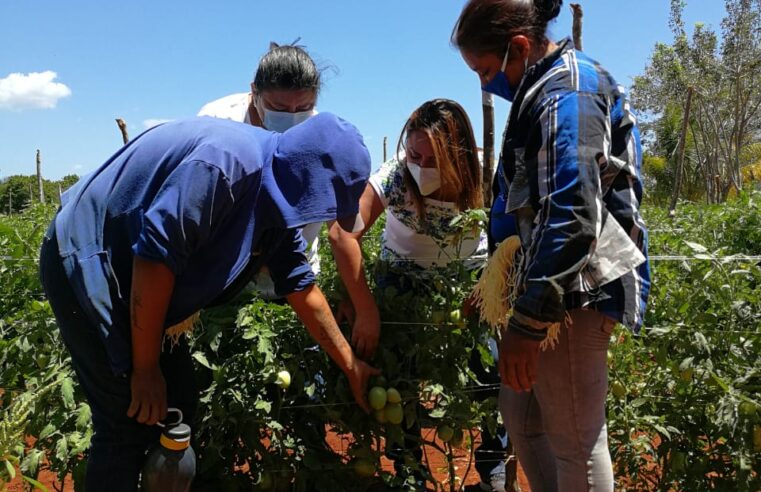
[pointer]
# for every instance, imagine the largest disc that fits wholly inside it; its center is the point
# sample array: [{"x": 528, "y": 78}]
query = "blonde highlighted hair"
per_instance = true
[{"x": 450, "y": 133}]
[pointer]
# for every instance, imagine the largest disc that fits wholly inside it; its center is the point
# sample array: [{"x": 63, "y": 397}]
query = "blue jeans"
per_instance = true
[
  {"x": 559, "y": 429},
  {"x": 491, "y": 454},
  {"x": 119, "y": 444}
]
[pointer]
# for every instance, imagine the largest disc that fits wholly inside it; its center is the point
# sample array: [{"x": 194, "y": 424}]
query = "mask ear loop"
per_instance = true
[
  {"x": 172, "y": 410},
  {"x": 507, "y": 55}
]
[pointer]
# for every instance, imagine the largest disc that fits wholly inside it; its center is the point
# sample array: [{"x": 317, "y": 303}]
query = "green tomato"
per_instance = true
[
  {"x": 265, "y": 481},
  {"x": 380, "y": 416},
  {"x": 445, "y": 433},
  {"x": 393, "y": 396},
  {"x": 283, "y": 379},
  {"x": 455, "y": 316},
  {"x": 618, "y": 389},
  {"x": 686, "y": 374},
  {"x": 394, "y": 413},
  {"x": 438, "y": 317},
  {"x": 377, "y": 398},
  {"x": 364, "y": 468},
  {"x": 285, "y": 480},
  {"x": 457, "y": 438},
  {"x": 378, "y": 381},
  {"x": 678, "y": 461},
  {"x": 747, "y": 410}
]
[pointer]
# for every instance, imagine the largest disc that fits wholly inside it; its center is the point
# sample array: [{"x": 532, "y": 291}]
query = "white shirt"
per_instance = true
[
  {"x": 233, "y": 107},
  {"x": 405, "y": 238}
]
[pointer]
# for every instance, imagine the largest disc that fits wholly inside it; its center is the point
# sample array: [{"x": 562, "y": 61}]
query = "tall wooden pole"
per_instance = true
[
  {"x": 487, "y": 104},
  {"x": 41, "y": 189},
  {"x": 10, "y": 200},
  {"x": 385, "y": 141},
  {"x": 123, "y": 128},
  {"x": 578, "y": 14},
  {"x": 680, "y": 161}
]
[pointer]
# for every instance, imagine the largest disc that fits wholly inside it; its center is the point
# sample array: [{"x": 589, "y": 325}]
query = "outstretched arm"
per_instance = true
[
  {"x": 313, "y": 310},
  {"x": 347, "y": 250}
]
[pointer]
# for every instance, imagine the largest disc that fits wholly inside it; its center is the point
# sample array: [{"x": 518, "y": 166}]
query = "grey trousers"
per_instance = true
[{"x": 559, "y": 429}]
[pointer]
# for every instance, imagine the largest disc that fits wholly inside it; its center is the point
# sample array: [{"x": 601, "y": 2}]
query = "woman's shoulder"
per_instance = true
[
  {"x": 389, "y": 177},
  {"x": 231, "y": 107}
]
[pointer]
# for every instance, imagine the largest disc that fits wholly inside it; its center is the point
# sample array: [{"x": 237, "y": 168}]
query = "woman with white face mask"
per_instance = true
[
  {"x": 283, "y": 94},
  {"x": 435, "y": 177}
]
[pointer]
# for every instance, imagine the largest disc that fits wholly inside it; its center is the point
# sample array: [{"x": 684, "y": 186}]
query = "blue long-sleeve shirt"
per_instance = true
[
  {"x": 570, "y": 163},
  {"x": 214, "y": 201}
]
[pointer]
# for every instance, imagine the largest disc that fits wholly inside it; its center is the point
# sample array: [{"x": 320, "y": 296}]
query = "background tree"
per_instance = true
[
  {"x": 14, "y": 191},
  {"x": 726, "y": 77}
]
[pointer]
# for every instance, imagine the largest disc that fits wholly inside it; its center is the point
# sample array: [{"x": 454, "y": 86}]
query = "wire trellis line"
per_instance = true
[
  {"x": 415, "y": 325},
  {"x": 705, "y": 257}
]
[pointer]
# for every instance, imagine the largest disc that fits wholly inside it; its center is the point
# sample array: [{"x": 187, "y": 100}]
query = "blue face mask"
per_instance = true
[
  {"x": 499, "y": 85},
  {"x": 280, "y": 121}
]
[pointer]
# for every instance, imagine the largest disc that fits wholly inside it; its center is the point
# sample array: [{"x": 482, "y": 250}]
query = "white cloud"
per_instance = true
[
  {"x": 35, "y": 90},
  {"x": 151, "y": 122}
]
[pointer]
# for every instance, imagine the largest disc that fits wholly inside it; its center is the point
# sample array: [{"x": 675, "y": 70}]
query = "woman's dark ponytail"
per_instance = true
[
  {"x": 547, "y": 10},
  {"x": 485, "y": 26}
]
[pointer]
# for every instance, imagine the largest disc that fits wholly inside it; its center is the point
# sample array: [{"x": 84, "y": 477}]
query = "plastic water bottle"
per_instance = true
[{"x": 171, "y": 465}]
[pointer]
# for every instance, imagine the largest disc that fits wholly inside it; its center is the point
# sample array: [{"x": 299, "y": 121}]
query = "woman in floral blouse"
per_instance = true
[{"x": 436, "y": 176}]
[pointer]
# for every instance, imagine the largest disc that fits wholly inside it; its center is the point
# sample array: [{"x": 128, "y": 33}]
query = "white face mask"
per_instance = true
[
  {"x": 280, "y": 121},
  {"x": 428, "y": 179}
]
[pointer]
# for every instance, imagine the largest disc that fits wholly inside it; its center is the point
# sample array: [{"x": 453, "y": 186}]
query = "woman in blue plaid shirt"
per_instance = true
[{"x": 570, "y": 171}]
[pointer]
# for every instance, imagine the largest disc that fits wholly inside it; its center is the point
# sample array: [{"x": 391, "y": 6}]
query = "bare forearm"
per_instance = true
[
  {"x": 348, "y": 256},
  {"x": 152, "y": 285},
  {"x": 313, "y": 310}
]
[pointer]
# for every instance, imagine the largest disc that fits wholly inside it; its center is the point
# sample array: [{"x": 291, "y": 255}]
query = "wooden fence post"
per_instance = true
[
  {"x": 41, "y": 189},
  {"x": 578, "y": 14},
  {"x": 385, "y": 140},
  {"x": 123, "y": 129},
  {"x": 487, "y": 104}
]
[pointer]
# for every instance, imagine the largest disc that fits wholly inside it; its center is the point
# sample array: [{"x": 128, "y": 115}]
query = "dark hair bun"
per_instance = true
[{"x": 548, "y": 9}]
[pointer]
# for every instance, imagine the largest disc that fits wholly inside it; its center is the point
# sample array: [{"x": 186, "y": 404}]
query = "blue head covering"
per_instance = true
[{"x": 319, "y": 172}]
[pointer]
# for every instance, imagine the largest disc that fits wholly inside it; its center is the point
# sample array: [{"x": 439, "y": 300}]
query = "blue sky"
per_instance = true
[{"x": 156, "y": 60}]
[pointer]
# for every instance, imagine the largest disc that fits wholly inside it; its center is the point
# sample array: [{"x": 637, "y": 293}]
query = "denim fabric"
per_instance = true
[
  {"x": 491, "y": 454},
  {"x": 119, "y": 444},
  {"x": 559, "y": 429}
]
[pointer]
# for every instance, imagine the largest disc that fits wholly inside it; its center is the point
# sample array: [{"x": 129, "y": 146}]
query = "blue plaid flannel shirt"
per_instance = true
[{"x": 571, "y": 165}]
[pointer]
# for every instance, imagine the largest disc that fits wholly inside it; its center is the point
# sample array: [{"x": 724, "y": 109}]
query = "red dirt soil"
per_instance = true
[{"x": 436, "y": 460}]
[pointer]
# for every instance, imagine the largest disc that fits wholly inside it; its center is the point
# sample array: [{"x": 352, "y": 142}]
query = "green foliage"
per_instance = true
[
  {"x": 19, "y": 192},
  {"x": 682, "y": 410},
  {"x": 692, "y": 382},
  {"x": 249, "y": 425},
  {"x": 32, "y": 354}
]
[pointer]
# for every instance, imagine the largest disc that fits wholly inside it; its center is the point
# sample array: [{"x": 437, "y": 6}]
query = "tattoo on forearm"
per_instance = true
[{"x": 136, "y": 305}]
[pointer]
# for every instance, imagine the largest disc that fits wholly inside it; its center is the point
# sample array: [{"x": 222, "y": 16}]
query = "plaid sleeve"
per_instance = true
[{"x": 574, "y": 130}]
